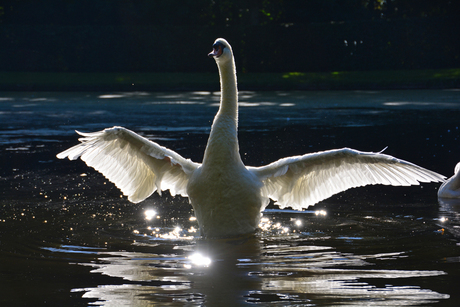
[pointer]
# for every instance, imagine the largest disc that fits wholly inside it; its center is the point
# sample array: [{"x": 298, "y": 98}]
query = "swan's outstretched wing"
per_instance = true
[
  {"x": 302, "y": 181},
  {"x": 137, "y": 166}
]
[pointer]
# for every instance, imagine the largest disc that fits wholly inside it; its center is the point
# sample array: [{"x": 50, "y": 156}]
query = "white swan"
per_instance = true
[
  {"x": 227, "y": 196},
  {"x": 451, "y": 188}
]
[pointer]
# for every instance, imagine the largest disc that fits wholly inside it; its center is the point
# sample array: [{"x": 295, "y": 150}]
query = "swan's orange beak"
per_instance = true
[{"x": 216, "y": 51}]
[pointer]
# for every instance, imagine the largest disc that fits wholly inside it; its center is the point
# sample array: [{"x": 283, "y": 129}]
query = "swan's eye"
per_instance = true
[{"x": 217, "y": 50}]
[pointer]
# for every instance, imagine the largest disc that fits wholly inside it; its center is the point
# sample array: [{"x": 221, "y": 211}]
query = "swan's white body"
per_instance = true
[
  {"x": 226, "y": 195},
  {"x": 451, "y": 188}
]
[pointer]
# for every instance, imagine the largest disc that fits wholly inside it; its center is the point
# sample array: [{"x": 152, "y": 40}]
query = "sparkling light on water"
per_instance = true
[
  {"x": 320, "y": 212},
  {"x": 149, "y": 214},
  {"x": 199, "y": 260},
  {"x": 267, "y": 225}
]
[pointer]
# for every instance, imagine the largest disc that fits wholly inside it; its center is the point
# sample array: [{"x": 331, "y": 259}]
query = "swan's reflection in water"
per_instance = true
[
  {"x": 205, "y": 271},
  {"x": 287, "y": 269}
]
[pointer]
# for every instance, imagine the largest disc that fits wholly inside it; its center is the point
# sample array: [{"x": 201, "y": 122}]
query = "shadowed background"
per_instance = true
[{"x": 314, "y": 44}]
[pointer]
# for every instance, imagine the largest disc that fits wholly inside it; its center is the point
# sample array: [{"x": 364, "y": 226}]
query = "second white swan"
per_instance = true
[
  {"x": 451, "y": 188},
  {"x": 226, "y": 195}
]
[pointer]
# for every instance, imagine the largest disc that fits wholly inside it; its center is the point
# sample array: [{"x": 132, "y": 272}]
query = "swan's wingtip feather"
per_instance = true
[
  {"x": 86, "y": 134},
  {"x": 69, "y": 153},
  {"x": 63, "y": 155}
]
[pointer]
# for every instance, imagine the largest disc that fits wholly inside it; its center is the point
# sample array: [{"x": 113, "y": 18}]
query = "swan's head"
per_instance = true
[{"x": 221, "y": 50}]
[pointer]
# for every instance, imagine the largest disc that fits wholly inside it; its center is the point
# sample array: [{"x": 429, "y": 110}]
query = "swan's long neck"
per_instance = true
[
  {"x": 222, "y": 147},
  {"x": 229, "y": 91}
]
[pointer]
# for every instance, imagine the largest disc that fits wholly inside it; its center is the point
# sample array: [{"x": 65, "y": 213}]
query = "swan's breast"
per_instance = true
[{"x": 227, "y": 201}]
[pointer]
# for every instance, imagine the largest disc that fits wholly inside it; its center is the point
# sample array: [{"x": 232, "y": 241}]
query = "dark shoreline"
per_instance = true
[{"x": 128, "y": 81}]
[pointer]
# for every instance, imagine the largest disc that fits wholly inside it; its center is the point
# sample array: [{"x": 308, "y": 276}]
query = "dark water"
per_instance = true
[{"x": 67, "y": 237}]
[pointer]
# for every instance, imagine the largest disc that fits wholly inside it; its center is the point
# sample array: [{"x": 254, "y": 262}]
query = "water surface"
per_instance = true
[{"x": 68, "y": 237}]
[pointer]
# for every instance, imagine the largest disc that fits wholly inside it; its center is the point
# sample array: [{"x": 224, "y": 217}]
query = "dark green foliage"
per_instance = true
[{"x": 268, "y": 36}]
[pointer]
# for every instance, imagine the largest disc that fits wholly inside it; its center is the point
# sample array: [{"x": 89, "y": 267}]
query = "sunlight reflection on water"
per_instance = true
[{"x": 198, "y": 259}]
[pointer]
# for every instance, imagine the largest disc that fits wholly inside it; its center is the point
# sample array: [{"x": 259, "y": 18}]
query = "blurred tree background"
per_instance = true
[{"x": 267, "y": 35}]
